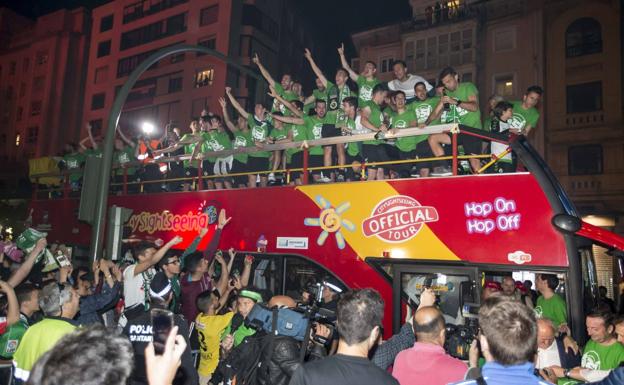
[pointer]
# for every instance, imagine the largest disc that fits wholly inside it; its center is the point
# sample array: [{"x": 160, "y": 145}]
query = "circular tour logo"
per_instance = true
[{"x": 398, "y": 219}]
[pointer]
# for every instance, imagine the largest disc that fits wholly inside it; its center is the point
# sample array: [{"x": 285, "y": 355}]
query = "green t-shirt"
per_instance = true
[
  {"x": 299, "y": 134},
  {"x": 314, "y": 128},
  {"x": 335, "y": 97},
  {"x": 9, "y": 341},
  {"x": 189, "y": 148},
  {"x": 353, "y": 149},
  {"x": 376, "y": 118},
  {"x": 215, "y": 141},
  {"x": 239, "y": 334},
  {"x": 487, "y": 123},
  {"x": 259, "y": 133},
  {"x": 554, "y": 309},
  {"x": 424, "y": 108},
  {"x": 73, "y": 162},
  {"x": 288, "y": 95},
  {"x": 599, "y": 357},
  {"x": 459, "y": 115},
  {"x": 320, "y": 95},
  {"x": 241, "y": 139},
  {"x": 365, "y": 88},
  {"x": 125, "y": 156},
  {"x": 404, "y": 120},
  {"x": 91, "y": 152},
  {"x": 278, "y": 134},
  {"x": 522, "y": 117}
]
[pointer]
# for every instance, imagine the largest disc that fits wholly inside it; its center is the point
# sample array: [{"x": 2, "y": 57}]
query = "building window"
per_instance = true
[
  {"x": 26, "y": 64},
  {"x": 254, "y": 17},
  {"x": 35, "y": 108},
  {"x": 386, "y": 64},
  {"x": 583, "y": 37},
  {"x": 33, "y": 133},
  {"x": 97, "y": 101},
  {"x": 20, "y": 112},
  {"x": 210, "y": 42},
  {"x": 465, "y": 77},
  {"x": 585, "y": 159},
  {"x": 204, "y": 77},
  {"x": 355, "y": 64},
  {"x": 504, "y": 39},
  {"x": 9, "y": 93},
  {"x": 38, "y": 83},
  {"x": 101, "y": 75},
  {"x": 158, "y": 30},
  {"x": 18, "y": 139},
  {"x": 586, "y": 97},
  {"x": 209, "y": 15},
  {"x": 104, "y": 48},
  {"x": 504, "y": 85},
  {"x": 22, "y": 90},
  {"x": 175, "y": 85},
  {"x": 179, "y": 57},
  {"x": 42, "y": 58},
  {"x": 106, "y": 23},
  {"x": 12, "y": 67},
  {"x": 144, "y": 8}
]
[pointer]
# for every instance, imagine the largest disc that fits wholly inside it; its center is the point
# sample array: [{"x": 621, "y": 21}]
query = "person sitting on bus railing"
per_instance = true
[
  {"x": 260, "y": 127},
  {"x": 372, "y": 119},
  {"x": 460, "y": 104},
  {"x": 334, "y": 95},
  {"x": 502, "y": 113},
  {"x": 189, "y": 142},
  {"x": 241, "y": 137},
  {"x": 216, "y": 139},
  {"x": 73, "y": 161},
  {"x": 279, "y": 134},
  {"x": 313, "y": 126}
]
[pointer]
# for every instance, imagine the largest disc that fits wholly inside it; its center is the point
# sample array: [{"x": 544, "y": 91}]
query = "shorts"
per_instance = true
[
  {"x": 237, "y": 167},
  {"x": 393, "y": 153},
  {"x": 296, "y": 161},
  {"x": 257, "y": 164},
  {"x": 423, "y": 150},
  {"x": 330, "y": 131},
  {"x": 207, "y": 168},
  {"x": 315, "y": 161},
  {"x": 472, "y": 145},
  {"x": 374, "y": 153}
]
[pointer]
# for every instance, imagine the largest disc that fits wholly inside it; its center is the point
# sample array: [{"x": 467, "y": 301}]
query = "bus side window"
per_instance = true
[
  {"x": 265, "y": 274},
  {"x": 301, "y": 275}
]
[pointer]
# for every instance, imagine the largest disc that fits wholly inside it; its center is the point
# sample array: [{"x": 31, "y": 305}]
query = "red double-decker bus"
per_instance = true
[{"x": 390, "y": 235}]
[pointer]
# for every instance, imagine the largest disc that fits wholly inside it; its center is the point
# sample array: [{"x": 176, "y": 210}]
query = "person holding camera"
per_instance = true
[
  {"x": 360, "y": 315},
  {"x": 140, "y": 331}
]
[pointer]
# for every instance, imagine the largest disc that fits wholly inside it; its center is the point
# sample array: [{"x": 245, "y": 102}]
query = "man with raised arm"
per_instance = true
[
  {"x": 335, "y": 95},
  {"x": 283, "y": 88},
  {"x": 366, "y": 81},
  {"x": 260, "y": 128},
  {"x": 241, "y": 137}
]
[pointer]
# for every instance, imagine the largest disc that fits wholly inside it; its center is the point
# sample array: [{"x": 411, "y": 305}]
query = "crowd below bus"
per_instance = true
[
  {"x": 350, "y": 103},
  {"x": 63, "y": 323}
]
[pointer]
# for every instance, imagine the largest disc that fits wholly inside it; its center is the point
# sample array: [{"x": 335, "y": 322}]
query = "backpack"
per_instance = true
[{"x": 244, "y": 363}]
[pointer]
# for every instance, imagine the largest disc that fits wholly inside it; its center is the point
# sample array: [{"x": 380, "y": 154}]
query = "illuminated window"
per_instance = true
[
  {"x": 18, "y": 140},
  {"x": 204, "y": 78},
  {"x": 504, "y": 85}
]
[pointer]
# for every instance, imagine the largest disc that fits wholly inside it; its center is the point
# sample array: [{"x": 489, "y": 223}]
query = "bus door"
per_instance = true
[{"x": 455, "y": 286}]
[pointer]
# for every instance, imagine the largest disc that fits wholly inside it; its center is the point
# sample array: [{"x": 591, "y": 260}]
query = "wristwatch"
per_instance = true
[
  {"x": 566, "y": 373},
  {"x": 458, "y": 103}
]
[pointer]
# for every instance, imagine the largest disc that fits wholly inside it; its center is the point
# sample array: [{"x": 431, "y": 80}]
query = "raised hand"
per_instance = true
[
  {"x": 161, "y": 369},
  {"x": 228, "y": 90},
  {"x": 222, "y": 103},
  {"x": 175, "y": 240},
  {"x": 255, "y": 59},
  {"x": 307, "y": 54},
  {"x": 341, "y": 49},
  {"x": 223, "y": 219}
]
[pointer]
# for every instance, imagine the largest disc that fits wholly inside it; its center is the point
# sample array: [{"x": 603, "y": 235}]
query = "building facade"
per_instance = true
[
  {"x": 179, "y": 87},
  {"x": 42, "y": 70},
  {"x": 572, "y": 48}
]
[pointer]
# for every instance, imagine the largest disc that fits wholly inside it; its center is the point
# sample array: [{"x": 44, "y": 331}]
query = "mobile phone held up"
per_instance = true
[{"x": 162, "y": 323}]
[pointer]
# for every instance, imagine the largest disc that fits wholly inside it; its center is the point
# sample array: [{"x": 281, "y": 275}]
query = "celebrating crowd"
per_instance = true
[
  {"x": 353, "y": 103},
  {"x": 67, "y": 324}
]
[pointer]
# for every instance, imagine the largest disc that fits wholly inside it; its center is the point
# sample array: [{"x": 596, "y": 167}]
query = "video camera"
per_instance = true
[{"x": 460, "y": 337}]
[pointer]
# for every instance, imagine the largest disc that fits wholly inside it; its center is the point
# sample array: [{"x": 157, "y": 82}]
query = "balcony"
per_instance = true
[{"x": 583, "y": 119}]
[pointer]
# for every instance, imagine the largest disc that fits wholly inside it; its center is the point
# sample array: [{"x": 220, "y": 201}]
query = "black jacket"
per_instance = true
[
  {"x": 568, "y": 359},
  {"x": 284, "y": 360},
  {"x": 139, "y": 331}
]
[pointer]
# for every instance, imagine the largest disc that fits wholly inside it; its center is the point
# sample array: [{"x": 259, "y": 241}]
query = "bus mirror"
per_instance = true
[{"x": 566, "y": 223}]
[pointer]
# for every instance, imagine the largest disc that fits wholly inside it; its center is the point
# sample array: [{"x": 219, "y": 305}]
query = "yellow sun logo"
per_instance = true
[{"x": 330, "y": 221}]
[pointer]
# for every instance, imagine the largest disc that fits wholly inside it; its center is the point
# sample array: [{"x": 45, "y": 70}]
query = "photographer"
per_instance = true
[{"x": 283, "y": 360}]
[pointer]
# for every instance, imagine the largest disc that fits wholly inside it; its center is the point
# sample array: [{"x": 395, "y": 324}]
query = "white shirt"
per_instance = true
[
  {"x": 407, "y": 86},
  {"x": 134, "y": 291},
  {"x": 548, "y": 357}
]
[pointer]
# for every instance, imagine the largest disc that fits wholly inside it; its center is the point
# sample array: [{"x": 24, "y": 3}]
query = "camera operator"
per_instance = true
[
  {"x": 360, "y": 314},
  {"x": 284, "y": 359}
]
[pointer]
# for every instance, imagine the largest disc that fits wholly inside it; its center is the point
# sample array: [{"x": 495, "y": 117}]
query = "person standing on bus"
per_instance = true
[
  {"x": 260, "y": 128},
  {"x": 241, "y": 137},
  {"x": 525, "y": 115},
  {"x": 372, "y": 119},
  {"x": 460, "y": 104},
  {"x": 404, "y": 118},
  {"x": 550, "y": 304},
  {"x": 423, "y": 107}
]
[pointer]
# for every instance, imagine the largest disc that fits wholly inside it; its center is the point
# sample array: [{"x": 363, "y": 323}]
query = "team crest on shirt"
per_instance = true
[
  {"x": 422, "y": 112},
  {"x": 317, "y": 130},
  {"x": 366, "y": 92},
  {"x": 591, "y": 360},
  {"x": 517, "y": 121},
  {"x": 215, "y": 145},
  {"x": 240, "y": 141},
  {"x": 258, "y": 133},
  {"x": 538, "y": 311}
]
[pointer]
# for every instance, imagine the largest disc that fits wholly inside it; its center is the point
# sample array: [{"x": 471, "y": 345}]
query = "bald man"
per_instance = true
[
  {"x": 510, "y": 289},
  {"x": 284, "y": 359},
  {"x": 427, "y": 362},
  {"x": 550, "y": 348}
]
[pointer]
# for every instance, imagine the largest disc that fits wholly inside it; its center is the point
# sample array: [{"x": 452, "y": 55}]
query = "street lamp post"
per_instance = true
[{"x": 97, "y": 232}]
